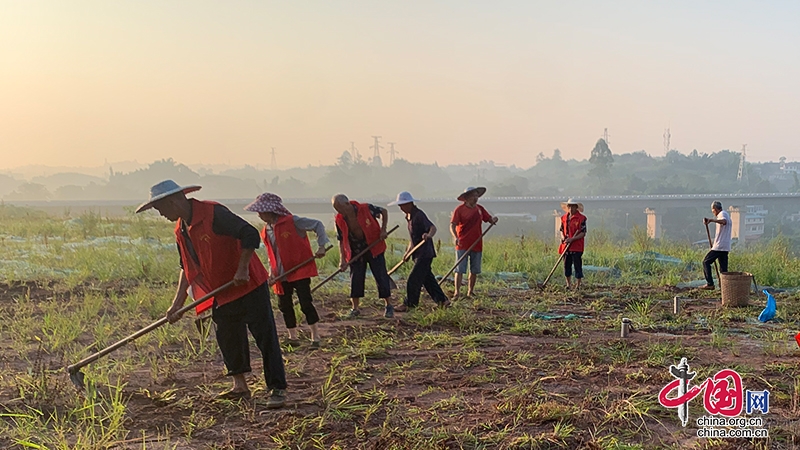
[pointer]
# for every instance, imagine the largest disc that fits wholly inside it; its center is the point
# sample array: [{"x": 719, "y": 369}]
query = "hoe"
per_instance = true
[{"x": 77, "y": 377}]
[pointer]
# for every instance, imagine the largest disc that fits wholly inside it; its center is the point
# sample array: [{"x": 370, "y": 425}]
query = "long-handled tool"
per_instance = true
[
  {"x": 711, "y": 245},
  {"x": 352, "y": 260},
  {"x": 465, "y": 254},
  {"x": 560, "y": 258},
  {"x": 77, "y": 377},
  {"x": 406, "y": 257}
]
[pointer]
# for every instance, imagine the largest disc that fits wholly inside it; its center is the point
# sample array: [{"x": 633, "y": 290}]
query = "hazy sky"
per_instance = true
[{"x": 449, "y": 81}]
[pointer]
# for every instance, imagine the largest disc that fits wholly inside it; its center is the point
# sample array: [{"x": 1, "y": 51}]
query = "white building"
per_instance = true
[{"x": 754, "y": 222}]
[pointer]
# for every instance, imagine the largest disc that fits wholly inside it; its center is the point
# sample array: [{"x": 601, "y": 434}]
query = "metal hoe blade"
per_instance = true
[{"x": 77, "y": 377}]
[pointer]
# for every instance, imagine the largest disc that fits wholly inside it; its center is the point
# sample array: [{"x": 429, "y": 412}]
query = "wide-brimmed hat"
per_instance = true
[
  {"x": 403, "y": 198},
  {"x": 163, "y": 190},
  {"x": 480, "y": 190},
  {"x": 565, "y": 205},
  {"x": 268, "y": 202}
]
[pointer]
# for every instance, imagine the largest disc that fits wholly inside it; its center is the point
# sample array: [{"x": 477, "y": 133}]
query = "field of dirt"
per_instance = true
[{"x": 482, "y": 374}]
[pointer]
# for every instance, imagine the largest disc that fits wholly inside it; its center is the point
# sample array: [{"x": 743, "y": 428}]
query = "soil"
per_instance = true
[{"x": 583, "y": 373}]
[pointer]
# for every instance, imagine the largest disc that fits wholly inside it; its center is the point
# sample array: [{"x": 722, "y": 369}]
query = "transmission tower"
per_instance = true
[
  {"x": 274, "y": 163},
  {"x": 667, "y": 135},
  {"x": 354, "y": 152},
  {"x": 606, "y": 136},
  {"x": 392, "y": 153},
  {"x": 742, "y": 178},
  {"x": 376, "y": 156}
]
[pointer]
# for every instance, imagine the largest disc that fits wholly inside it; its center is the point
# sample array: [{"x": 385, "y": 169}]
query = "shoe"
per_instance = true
[
  {"x": 444, "y": 304},
  {"x": 708, "y": 287},
  {"x": 292, "y": 342},
  {"x": 401, "y": 308},
  {"x": 353, "y": 313},
  {"x": 233, "y": 395},
  {"x": 389, "y": 312},
  {"x": 314, "y": 345},
  {"x": 277, "y": 399}
]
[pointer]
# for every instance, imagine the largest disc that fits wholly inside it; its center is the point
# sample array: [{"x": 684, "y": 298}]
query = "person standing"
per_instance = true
[
  {"x": 466, "y": 229},
  {"x": 287, "y": 244},
  {"x": 722, "y": 243},
  {"x": 573, "y": 232},
  {"x": 217, "y": 246},
  {"x": 420, "y": 229},
  {"x": 356, "y": 228}
]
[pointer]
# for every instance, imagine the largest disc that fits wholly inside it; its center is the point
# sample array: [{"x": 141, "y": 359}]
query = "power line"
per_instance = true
[
  {"x": 606, "y": 136},
  {"x": 354, "y": 152}
]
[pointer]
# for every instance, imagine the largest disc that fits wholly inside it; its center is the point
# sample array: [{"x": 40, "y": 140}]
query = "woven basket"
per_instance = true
[{"x": 735, "y": 288}]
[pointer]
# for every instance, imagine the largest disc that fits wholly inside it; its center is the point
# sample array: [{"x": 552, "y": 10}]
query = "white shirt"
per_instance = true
[{"x": 722, "y": 236}]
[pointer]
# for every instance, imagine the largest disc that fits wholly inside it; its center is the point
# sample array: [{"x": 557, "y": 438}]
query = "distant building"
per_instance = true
[
  {"x": 793, "y": 217},
  {"x": 754, "y": 222},
  {"x": 790, "y": 167}
]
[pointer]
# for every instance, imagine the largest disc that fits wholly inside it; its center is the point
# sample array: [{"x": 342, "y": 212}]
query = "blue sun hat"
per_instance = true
[{"x": 164, "y": 190}]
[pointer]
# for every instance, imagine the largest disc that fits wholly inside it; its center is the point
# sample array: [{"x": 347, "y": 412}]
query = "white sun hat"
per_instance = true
[{"x": 403, "y": 198}]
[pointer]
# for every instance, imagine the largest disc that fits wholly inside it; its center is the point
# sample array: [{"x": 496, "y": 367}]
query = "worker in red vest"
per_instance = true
[
  {"x": 466, "y": 226},
  {"x": 573, "y": 231},
  {"x": 217, "y": 246},
  {"x": 357, "y": 227},
  {"x": 287, "y": 244}
]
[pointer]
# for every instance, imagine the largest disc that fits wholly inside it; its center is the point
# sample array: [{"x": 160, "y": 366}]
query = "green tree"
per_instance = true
[{"x": 601, "y": 160}]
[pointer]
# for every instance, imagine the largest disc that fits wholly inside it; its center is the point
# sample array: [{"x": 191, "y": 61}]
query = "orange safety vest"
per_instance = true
[
  {"x": 571, "y": 229},
  {"x": 293, "y": 250},
  {"x": 368, "y": 224},
  {"x": 219, "y": 258}
]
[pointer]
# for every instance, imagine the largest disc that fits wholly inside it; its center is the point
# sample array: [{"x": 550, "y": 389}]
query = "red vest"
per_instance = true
[
  {"x": 571, "y": 229},
  {"x": 219, "y": 259},
  {"x": 293, "y": 250},
  {"x": 370, "y": 226}
]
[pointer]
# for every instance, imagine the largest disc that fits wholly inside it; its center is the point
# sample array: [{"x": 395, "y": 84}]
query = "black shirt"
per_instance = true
[
  {"x": 226, "y": 223},
  {"x": 419, "y": 224}
]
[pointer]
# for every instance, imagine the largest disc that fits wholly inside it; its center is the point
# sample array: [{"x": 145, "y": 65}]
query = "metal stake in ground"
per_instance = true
[
  {"x": 465, "y": 254},
  {"x": 560, "y": 258},
  {"x": 711, "y": 245},
  {"x": 77, "y": 377},
  {"x": 406, "y": 257},
  {"x": 352, "y": 260}
]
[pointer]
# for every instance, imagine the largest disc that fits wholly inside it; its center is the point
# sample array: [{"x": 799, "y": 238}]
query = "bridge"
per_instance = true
[{"x": 654, "y": 206}]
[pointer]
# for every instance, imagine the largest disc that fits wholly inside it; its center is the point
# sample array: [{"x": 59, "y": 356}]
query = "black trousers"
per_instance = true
[
  {"x": 422, "y": 276},
  {"x": 303, "y": 288},
  {"x": 711, "y": 256},
  {"x": 254, "y": 311},
  {"x": 358, "y": 275},
  {"x": 576, "y": 259}
]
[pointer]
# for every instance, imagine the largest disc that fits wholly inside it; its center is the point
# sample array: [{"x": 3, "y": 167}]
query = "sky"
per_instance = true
[{"x": 451, "y": 82}]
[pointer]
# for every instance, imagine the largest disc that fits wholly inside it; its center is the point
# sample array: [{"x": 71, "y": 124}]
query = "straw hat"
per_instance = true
[
  {"x": 164, "y": 190},
  {"x": 480, "y": 190},
  {"x": 268, "y": 202},
  {"x": 565, "y": 205},
  {"x": 403, "y": 198}
]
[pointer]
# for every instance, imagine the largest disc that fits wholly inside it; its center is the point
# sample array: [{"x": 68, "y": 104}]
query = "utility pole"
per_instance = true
[
  {"x": 606, "y": 136},
  {"x": 392, "y": 153},
  {"x": 742, "y": 178},
  {"x": 667, "y": 136},
  {"x": 274, "y": 163},
  {"x": 376, "y": 156}
]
